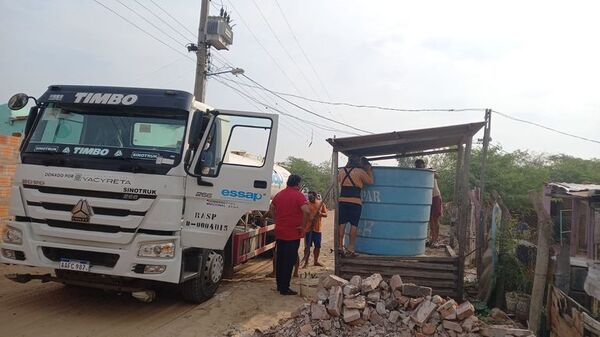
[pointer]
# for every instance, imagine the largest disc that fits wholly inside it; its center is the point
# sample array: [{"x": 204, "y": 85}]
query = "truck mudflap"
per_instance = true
[{"x": 76, "y": 280}]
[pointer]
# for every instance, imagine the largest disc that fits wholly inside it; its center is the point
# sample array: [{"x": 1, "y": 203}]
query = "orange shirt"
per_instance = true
[
  {"x": 313, "y": 215},
  {"x": 359, "y": 176}
]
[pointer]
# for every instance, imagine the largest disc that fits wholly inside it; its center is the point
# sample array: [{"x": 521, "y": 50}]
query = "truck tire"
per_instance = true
[{"x": 204, "y": 286}]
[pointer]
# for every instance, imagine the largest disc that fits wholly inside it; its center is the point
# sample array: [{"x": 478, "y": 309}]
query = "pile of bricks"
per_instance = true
[
  {"x": 373, "y": 307},
  {"x": 9, "y": 150}
]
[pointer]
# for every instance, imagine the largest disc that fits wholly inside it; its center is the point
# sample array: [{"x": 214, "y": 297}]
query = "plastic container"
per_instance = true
[{"x": 395, "y": 212}]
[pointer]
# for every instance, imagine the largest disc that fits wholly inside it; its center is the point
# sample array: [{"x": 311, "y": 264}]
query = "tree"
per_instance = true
[{"x": 314, "y": 177}]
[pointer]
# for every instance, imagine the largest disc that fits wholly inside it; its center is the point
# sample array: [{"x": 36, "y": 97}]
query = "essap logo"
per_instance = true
[{"x": 241, "y": 194}]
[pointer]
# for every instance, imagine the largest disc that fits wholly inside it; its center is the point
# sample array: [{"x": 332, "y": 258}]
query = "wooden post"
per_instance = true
[
  {"x": 463, "y": 219},
  {"x": 481, "y": 228},
  {"x": 541, "y": 265},
  {"x": 454, "y": 229},
  {"x": 335, "y": 194}
]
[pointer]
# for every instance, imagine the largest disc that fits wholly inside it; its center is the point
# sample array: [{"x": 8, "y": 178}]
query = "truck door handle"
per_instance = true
[{"x": 260, "y": 184}]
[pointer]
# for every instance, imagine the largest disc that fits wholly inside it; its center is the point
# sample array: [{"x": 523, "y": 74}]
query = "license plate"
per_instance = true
[{"x": 74, "y": 265}]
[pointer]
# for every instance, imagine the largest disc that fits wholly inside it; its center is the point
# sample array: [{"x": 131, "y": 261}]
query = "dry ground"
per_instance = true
[{"x": 247, "y": 302}]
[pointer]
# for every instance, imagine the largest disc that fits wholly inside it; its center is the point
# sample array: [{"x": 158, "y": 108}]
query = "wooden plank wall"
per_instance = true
[
  {"x": 567, "y": 318},
  {"x": 439, "y": 273}
]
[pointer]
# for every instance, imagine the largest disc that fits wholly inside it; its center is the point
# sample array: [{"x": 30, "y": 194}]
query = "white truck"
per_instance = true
[{"x": 124, "y": 188}]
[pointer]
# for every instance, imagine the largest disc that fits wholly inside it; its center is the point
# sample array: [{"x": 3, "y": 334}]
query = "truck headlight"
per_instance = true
[
  {"x": 13, "y": 236},
  {"x": 164, "y": 249}
]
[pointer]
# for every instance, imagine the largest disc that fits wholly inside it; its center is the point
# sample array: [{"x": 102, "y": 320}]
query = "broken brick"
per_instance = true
[
  {"x": 394, "y": 315},
  {"x": 395, "y": 282},
  {"x": 469, "y": 323},
  {"x": 429, "y": 328},
  {"x": 371, "y": 283},
  {"x": 358, "y": 302},
  {"x": 318, "y": 311},
  {"x": 422, "y": 314},
  {"x": 350, "y": 289},
  {"x": 413, "y": 290},
  {"x": 414, "y": 302},
  {"x": 334, "y": 307},
  {"x": 380, "y": 307},
  {"x": 376, "y": 318},
  {"x": 450, "y": 325},
  {"x": 332, "y": 280},
  {"x": 448, "y": 309},
  {"x": 465, "y": 310},
  {"x": 356, "y": 281},
  {"x": 351, "y": 315},
  {"x": 374, "y": 296}
]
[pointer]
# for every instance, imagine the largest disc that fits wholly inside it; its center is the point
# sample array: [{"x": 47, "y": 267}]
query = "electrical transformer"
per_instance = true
[{"x": 218, "y": 32}]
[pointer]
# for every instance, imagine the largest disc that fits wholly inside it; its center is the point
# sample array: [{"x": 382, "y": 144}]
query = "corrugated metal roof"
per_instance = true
[
  {"x": 580, "y": 190},
  {"x": 401, "y": 142}
]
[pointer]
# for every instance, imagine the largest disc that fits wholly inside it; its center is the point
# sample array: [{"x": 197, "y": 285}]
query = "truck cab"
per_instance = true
[{"x": 126, "y": 187}]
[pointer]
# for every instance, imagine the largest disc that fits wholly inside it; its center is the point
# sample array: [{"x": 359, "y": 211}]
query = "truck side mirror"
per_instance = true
[{"x": 18, "y": 101}]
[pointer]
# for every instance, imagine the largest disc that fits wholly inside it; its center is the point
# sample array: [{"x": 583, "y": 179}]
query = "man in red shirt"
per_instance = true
[{"x": 291, "y": 213}]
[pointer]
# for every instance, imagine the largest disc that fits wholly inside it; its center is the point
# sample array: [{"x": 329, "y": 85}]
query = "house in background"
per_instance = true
[
  {"x": 12, "y": 122},
  {"x": 575, "y": 209}
]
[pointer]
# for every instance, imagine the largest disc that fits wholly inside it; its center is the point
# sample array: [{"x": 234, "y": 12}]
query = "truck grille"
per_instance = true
[
  {"x": 89, "y": 193},
  {"x": 95, "y": 258},
  {"x": 97, "y": 210}
]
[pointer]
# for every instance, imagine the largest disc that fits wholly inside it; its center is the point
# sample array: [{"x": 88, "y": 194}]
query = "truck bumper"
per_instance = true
[{"x": 107, "y": 259}]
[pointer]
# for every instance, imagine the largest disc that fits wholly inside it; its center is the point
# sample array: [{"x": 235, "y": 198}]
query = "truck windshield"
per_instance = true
[{"x": 110, "y": 134}]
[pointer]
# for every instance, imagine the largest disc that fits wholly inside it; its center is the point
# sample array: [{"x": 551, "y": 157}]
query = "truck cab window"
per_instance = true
[{"x": 235, "y": 140}]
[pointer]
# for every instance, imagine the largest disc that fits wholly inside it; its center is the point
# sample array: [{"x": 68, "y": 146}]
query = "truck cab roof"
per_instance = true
[{"x": 118, "y": 96}]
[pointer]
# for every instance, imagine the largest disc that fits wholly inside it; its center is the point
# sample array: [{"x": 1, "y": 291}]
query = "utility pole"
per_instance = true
[
  {"x": 201, "y": 55},
  {"x": 482, "y": 227}
]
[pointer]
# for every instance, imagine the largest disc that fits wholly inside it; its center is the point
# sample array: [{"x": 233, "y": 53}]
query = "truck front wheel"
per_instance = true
[{"x": 204, "y": 286}]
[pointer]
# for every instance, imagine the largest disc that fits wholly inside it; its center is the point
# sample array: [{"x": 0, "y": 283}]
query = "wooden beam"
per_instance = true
[
  {"x": 481, "y": 223},
  {"x": 464, "y": 214},
  {"x": 413, "y": 154},
  {"x": 541, "y": 265},
  {"x": 336, "y": 244},
  {"x": 454, "y": 228}
]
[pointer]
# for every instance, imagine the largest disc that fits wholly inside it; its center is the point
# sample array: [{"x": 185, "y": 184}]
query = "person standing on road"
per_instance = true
[
  {"x": 436, "y": 208},
  {"x": 352, "y": 178},
  {"x": 318, "y": 210},
  {"x": 291, "y": 213}
]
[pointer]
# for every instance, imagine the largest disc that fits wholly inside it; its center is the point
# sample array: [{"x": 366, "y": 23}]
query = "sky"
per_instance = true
[{"x": 534, "y": 60}]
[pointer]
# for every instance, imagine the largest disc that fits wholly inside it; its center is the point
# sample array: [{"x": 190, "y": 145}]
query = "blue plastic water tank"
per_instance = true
[{"x": 395, "y": 212}]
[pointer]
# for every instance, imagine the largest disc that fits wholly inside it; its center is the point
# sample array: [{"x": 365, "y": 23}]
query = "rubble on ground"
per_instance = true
[{"x": 376, "y": 307}]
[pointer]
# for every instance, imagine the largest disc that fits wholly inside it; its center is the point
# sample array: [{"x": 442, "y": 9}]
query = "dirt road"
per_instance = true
[{"x": 245, "y": 303}]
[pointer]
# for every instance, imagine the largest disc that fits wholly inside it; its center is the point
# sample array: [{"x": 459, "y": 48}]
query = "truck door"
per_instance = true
[{"x": 235, "y": 163}]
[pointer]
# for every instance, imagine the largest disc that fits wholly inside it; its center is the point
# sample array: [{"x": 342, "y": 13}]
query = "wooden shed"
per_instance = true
[{"x": 445, "y": 273}]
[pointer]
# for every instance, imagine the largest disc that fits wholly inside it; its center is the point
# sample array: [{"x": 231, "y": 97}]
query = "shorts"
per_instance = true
[
  {"x": 312, "y": 237},
  {"x": 436, "y": 207},
  {"x": 349, "y": 212}
]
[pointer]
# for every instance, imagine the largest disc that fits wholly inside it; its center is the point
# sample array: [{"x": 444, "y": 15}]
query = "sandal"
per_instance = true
[{"x": 350, "y": 253}]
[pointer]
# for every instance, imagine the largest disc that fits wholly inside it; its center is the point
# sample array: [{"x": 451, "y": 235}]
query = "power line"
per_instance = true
[
  {"x": 286, "y": 114},
  {"x": 256, "y": 92},
  {"x": 141, "y": 29},
  {"x": 302, "y": 50},
  {"x": 303, "y": 108},
  {"x": 545, "y": 127},
  {"x": 284, "y": 48},
  {"x": 162, "y": 20},
  {"x": 259, "y": 108},
  {"x": 151, "y": 23},
  {"x": 277, "y": 64},
  {"x": 364, "y": 106},
  {"x": 172, "y": 17},
  {"x": 285, "y": 74}
]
